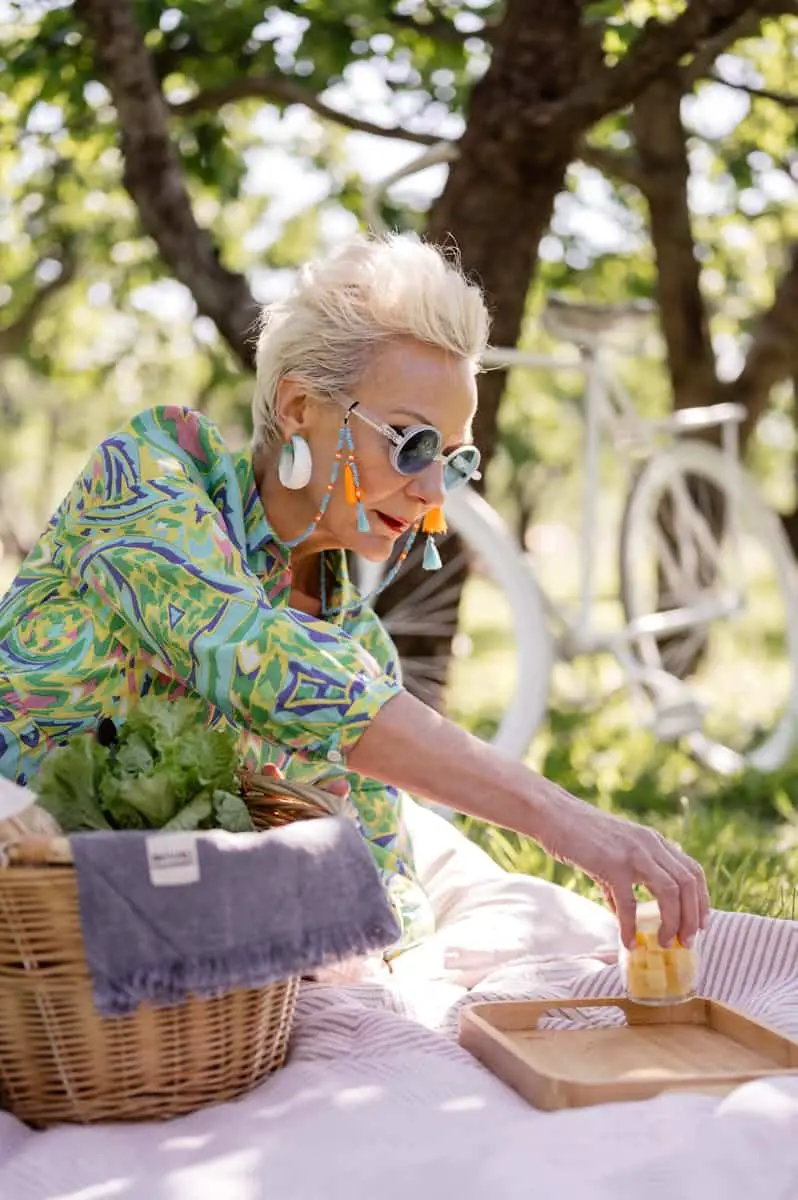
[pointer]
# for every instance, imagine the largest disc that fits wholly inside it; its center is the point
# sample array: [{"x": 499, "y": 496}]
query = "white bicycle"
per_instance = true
[{"x": 707, "y": 582}]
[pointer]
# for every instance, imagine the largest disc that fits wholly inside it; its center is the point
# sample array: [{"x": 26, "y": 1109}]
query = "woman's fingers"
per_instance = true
[
  {"x": 608, "y": 894},
  {"x": 679, "y": 886},
  {"x": 336, "y": 787},
  {"x": 625, "y": 906},
  {"x": 693, "y": 893},
  {"x": 704, "y": 901},
  {"x": 667, "y": 891}
]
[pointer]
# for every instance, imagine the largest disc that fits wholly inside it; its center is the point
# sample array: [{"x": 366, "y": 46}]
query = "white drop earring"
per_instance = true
[{"x": 295, "y": 465}]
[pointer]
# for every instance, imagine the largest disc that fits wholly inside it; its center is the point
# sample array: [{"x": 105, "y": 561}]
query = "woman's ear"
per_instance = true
[{"x": 293, "y": 408}]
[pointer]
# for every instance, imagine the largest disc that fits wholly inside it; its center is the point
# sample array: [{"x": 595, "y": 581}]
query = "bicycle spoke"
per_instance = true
[
  {"x": 698, "y": 526},
  {"x": 717, "y": 543}
]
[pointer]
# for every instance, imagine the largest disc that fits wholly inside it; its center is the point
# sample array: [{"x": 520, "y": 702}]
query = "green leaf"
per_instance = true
[
  {"x": 152, "y": 796},
  {"x": 603, "y": 10},
  {"x": 134, "y": 755},
  {"x": 119, "y": 811},
  {"x": 193, "y": 815},
  {"x": 166, "y": 770},
  {"x": 67, "y": 784},
  {"x": 232, "y": 813}
]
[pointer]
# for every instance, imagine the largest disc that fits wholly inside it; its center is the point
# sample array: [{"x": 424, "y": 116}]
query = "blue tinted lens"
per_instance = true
[
  {"x": 418, "y": 451},
  {"x": 460, "y": 466}
]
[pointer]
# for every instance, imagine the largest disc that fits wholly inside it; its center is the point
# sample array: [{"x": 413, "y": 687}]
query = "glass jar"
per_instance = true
[{"x": 654, "y": 974}]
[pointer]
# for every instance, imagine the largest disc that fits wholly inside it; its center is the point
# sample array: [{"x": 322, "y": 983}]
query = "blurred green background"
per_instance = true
[{"x": 157, "y": 160}]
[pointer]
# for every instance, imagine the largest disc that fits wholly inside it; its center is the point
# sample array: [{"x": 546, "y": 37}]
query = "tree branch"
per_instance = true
[
  {"x": 14, "y": 336},
  {"x": 704, "y": 58},
  {"x": 786, "y": 99},
  {"x": 286, "y": 91},
  {"x": 619, "y": 165},
  {"x": 773, "y": 353},
  {"x": 153, "y": 175},
  {"x": 657, "y": 48},
  {"x": 438, "y": 28},
  {"x": 665, "y": 172}
]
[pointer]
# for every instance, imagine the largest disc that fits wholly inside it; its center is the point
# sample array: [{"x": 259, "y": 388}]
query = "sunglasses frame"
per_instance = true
[{"x": 399, "y": 440}]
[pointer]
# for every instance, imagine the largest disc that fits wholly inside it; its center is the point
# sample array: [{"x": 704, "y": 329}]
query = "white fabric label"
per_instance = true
[{"x": 173, "y": 859}]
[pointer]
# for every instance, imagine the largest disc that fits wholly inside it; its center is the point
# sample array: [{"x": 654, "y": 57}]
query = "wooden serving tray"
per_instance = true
[{"x": 700, "y": 1045}]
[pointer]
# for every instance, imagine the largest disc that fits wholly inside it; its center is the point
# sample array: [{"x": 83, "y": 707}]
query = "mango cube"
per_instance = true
[{"x": 657, "y": 974}]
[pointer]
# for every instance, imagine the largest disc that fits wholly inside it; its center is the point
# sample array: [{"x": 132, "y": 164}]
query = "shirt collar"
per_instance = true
[
  {"x": 269, "y": 558},
  {"x": 258, "y": 532}
]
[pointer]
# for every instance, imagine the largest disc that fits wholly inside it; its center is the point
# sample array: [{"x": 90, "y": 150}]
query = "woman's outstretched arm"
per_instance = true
[{"x": 410, "y": 746}]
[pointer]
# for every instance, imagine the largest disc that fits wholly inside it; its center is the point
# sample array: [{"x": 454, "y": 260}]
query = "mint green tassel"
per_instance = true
[
  {"x": 432, "y": 559},
  {"x": 362, "y": 520}
]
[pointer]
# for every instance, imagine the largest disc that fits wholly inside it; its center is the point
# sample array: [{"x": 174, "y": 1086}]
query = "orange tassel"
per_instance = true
[
  {"x": 350, "y": 487},
  {"x": 434, "y": 521}
]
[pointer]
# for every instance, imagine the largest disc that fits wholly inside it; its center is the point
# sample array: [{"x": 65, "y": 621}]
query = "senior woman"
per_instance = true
[{"x": 174, "y": 566}]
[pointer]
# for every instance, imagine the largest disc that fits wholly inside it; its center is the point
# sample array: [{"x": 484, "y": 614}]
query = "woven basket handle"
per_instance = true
[
  {"x": 253, "y": 783},
  {"x": 36, "y": 850},
  {"x": 306, "y": 801}
]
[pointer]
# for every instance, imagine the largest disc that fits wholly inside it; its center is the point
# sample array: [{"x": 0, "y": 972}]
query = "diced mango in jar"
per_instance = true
[
  {"x": 654, "y": 973},
  {"x": 656, "y": 982},
  {"x": 684, "y": 965},
  {"x": 637, "y": 980}
]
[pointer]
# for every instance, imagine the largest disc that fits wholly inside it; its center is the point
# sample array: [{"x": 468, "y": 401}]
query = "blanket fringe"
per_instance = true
[{"x": 171, "y": 983}]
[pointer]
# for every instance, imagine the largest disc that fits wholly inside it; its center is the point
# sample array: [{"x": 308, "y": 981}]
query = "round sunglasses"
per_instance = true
[{"x": 417, "y": 447}]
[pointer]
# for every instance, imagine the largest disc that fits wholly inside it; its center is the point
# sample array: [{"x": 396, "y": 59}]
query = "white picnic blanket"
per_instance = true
[{"x": 378, "y": 1100}]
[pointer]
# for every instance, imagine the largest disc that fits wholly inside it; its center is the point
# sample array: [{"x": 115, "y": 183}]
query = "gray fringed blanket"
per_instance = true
[{"x": 164, "y": 915}]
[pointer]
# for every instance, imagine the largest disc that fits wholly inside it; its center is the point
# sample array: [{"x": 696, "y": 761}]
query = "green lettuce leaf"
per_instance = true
[
  {"x": 165, "y": 770},
  {"x": 194, "y": 815},
  {"x": 68, "y": 782},
  {"x": 151, "y": 797},
  {"x": 232, "y": 813}
]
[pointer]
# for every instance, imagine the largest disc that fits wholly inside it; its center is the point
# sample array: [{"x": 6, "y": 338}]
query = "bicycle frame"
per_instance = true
[
  {"x": 690, "y": 538},
  {"x": 608, "y": 410},
  {"x": 610, "y": 414}
]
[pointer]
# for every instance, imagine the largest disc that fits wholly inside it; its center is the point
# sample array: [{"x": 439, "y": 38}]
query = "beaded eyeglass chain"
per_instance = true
[
  {"x": 354, "y": 496},
  {"x": 339, "y": 450},
  {"x": 389, "y": 578}
]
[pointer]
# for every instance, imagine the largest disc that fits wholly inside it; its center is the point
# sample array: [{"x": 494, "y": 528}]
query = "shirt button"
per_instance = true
[{"x": 334, "y": 756}]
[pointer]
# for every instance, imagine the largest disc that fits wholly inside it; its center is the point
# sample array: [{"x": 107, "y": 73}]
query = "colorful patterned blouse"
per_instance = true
[{"x": 159, "y": 573}]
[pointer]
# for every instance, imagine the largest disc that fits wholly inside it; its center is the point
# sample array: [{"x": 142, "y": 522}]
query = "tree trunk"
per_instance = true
[
  {"x": 665, "y": 172},
  {"x": 499, "y": 197},
  {"x": 773, "y": 354},
  {"x": 790, "y": 519},
  {"x": 500, "y": 193}
]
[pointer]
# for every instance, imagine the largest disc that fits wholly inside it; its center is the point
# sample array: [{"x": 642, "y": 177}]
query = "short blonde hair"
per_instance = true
[{"x": 344, "y": 307}]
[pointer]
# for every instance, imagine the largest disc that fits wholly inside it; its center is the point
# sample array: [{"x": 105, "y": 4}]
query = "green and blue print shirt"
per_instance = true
[{"x": 159, "y": 573}]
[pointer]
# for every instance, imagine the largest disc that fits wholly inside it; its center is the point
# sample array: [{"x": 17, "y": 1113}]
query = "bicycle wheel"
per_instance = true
[
  {"x": 696, "y": 536},
  {"x": 498, "y": 679}
]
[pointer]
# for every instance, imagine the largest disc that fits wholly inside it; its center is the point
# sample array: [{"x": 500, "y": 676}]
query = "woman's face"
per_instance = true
[{"x": 409, "y": 383}]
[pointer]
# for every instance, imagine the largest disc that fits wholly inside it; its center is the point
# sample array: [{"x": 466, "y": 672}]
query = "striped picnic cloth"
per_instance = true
[{"x": 747, "y": 962}]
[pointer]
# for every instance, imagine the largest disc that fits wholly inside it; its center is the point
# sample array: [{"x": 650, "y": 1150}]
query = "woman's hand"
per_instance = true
[
  {"x": 617, "y": 854},
  {"x": 412, "y": 747}
]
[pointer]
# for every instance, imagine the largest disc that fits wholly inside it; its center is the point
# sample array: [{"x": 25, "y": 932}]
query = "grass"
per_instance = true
[{"x": 743, "y": 830}]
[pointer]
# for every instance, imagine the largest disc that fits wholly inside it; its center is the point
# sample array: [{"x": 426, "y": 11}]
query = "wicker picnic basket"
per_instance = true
[{"x": 61, "y": 1061}]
